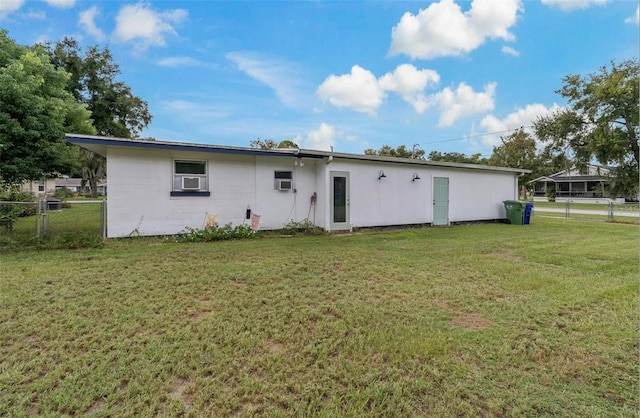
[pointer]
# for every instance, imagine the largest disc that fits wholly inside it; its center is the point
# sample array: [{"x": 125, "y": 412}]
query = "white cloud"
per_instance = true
[
  {"x": 442, "y": 29},
  {"x": 9, "y": 6},
  {"x": 61, "y": 4},
  {"x": 322, "y": 138},
  {"x": 36, "y": 14},
  {"x": 570, "y": 5},
  {"x": 87, "y": 21},
  {"x": 410, "y": 83},
  {"x": 180, "y": 62},
  {"x": 141, "y": 24},
  {"x": 42, "y": 39},
  {"x": 635, "y": 19},
  {"x": 522, "y": 117},
  {"x": 510, "y": 51},
  {"x": 359, "y": 90},
  {"x": 362, "y": 92},
  {"x": 277, "y": 75},
  {"x": 463, "y": 101}
]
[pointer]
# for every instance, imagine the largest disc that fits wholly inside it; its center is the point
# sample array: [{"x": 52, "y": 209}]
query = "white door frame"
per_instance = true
[{"x": 339, "y": 221}]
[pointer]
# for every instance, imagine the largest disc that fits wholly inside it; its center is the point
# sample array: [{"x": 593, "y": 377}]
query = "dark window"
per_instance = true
[
  {"x": 190, "y": 167},
  {"x": 283, "y": 175}
]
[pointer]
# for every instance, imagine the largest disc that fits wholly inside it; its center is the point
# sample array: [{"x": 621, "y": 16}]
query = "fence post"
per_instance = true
[
  {"x": 566, "y": 211},
  {"x": 610, "y": 211},
  {"x": 45, "y": 217},
  {"x": 103, "y": 219}
]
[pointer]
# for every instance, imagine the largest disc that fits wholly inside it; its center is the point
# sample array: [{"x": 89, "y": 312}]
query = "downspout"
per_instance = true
[{"x": 327, "y": 190}]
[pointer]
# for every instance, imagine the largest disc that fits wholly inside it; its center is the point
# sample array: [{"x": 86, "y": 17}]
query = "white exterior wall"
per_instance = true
[
  {"x": 277, "y": 208},
  {"x": 140, "y": 182},
  {"x": 474, "y": 195}
]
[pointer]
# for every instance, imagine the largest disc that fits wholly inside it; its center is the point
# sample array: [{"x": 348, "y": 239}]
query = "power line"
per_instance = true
[{"x": 476, "y": 136}]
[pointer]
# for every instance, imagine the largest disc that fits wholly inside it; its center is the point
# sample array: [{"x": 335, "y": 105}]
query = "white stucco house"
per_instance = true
[{"x": 161, "y": 187}]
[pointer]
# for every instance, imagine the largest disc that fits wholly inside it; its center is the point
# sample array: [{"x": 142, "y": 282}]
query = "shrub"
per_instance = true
[
  {"x": 216, "y": 233},
  {"x": 62, "y": 193},
  {"x": 304, "y": 227},
  {"x": 13, "y": 211}
]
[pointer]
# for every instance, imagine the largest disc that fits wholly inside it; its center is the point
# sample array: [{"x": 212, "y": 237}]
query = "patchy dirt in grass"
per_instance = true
[
  {"x": 178, "y": 392},
  {"x": 507, "y": 253},
  {"x": 199, "y": 315},
  {"x": 470, "y": 321},
  {"x": 96, "y": 405},
  {"x": 275, "y": 348}
]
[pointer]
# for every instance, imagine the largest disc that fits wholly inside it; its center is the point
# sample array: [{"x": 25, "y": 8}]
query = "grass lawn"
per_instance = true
[
  {"x": 75, "y": 220},
  {"x": 477, "y": 320}
]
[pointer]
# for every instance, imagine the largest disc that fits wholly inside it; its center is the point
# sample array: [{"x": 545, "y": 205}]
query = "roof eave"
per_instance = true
[
  {"x": 396, "y": 160},
  {"x": 99, "y": 144}
]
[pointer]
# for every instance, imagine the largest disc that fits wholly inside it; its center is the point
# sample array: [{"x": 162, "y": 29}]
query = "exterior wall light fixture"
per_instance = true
[
  {"x": 415, "y": 177},
  {"x": 381, "y": 175}
]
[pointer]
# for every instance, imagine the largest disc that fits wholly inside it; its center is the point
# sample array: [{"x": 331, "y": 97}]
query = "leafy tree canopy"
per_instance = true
[
  {"x": 600, "y": 122},
  {"x": 457, "y": 157},
  {"x": 401, "y": 152},
  {"x": 517, "y": 150},
  {"x": 115, "y": 111},
  {"x": 35, "y": 113},
  {"x": 271, "y": 144}
]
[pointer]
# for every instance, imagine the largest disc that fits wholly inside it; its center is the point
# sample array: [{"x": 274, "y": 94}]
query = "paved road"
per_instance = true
[{"x": 587, "y": 212}]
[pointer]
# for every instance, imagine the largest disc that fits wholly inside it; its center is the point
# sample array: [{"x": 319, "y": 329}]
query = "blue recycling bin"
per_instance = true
[{"x": 527, "y": 213}]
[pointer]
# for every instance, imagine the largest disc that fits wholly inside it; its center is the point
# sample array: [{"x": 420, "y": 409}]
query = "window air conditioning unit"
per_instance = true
[
  {"x": 284, "y": 184},
  {"x": 191, "y": 183}
]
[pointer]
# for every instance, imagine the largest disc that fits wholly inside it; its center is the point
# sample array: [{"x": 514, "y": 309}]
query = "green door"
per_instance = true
[
  {"x": 440, "y": 201},
  {"x": 339, "y": 200}
]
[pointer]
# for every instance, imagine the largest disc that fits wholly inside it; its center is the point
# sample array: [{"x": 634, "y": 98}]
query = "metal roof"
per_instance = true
[{"x": 99, "y": 144}]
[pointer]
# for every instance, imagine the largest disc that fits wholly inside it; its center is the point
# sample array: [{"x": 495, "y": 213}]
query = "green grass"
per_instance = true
[
  {"x": 79, "y": 224},
  {"x": 618, "y": 217},
  {"x": 79, "y": 217},
  {"x": 478, "y": 320}
]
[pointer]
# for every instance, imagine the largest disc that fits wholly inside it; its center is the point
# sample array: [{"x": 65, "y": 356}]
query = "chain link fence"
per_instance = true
[
  {"x": 49, "y": 220},
  {"x": 611, "y": 211}
]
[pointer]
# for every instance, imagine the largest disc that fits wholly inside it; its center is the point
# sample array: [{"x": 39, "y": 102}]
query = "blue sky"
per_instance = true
[{"x": 450, "y": 76}]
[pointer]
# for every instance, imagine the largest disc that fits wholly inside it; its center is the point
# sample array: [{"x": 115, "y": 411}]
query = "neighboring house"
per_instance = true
[
  {"x": 588, "y": 183},
  {"x": 74, "y": 185},
  {"x": 160, "y": 188},
  {"x": 39, "y": 188}
]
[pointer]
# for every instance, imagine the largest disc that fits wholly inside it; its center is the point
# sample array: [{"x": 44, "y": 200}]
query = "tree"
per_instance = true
[
  {"x": 287, "y": 143},
  {"x": 115, "y": 111},
  {"x": 600, "y": 122},
  {"x": 271, "y": 144},
  {"x": 517, "y": 150},
  {"x": 400, "y": 152},
  {"x": 457, "y": 157},
  {"x": 35, "y": 112}
]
